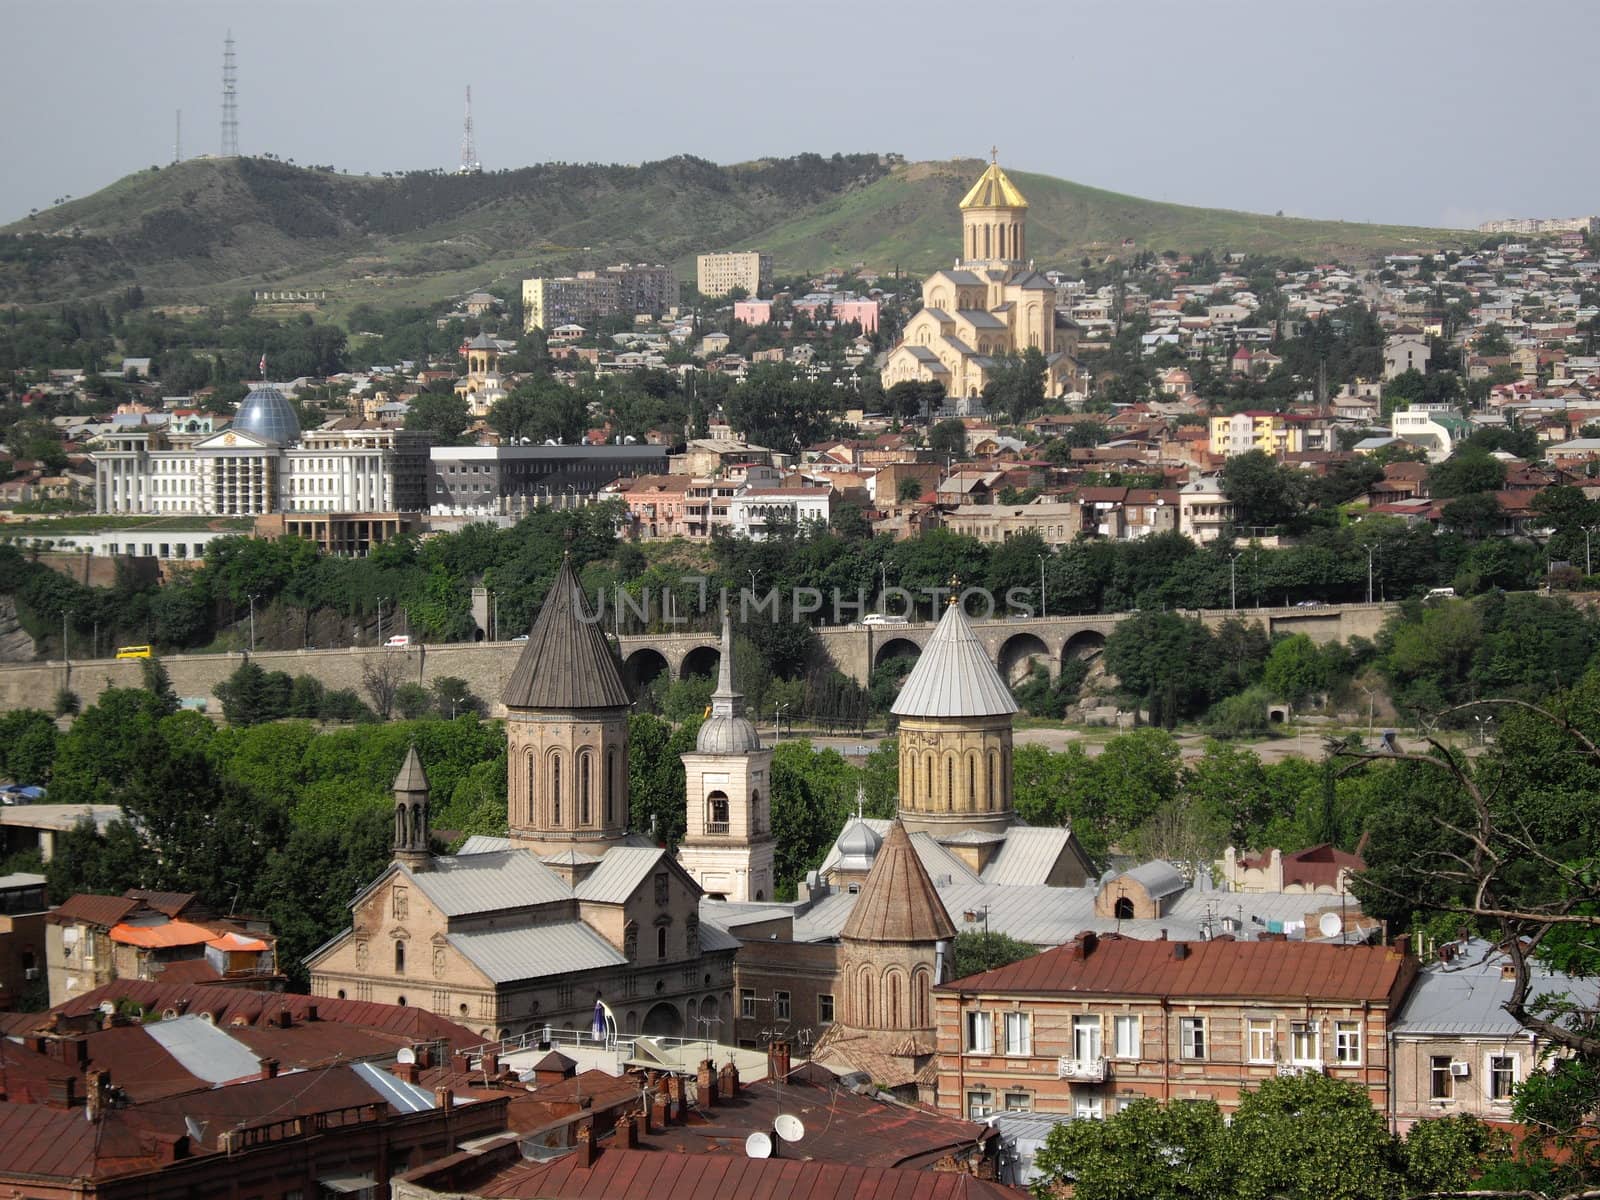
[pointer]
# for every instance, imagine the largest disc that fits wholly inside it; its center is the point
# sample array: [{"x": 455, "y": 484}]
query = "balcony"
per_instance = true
[
  {"x": 716, "y": 827},
  {"x": 1081, "y": 1070}
]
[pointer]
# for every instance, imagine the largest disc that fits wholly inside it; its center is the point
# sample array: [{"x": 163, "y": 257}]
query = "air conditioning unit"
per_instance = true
[{"x": 1460, "y": 1070}]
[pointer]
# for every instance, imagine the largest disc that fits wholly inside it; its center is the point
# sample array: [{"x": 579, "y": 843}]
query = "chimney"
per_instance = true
[
  {"x": 311, "y": 1012},
  {"x": 269, "y": 1068},
  {"x": 64, "y": 1092},
  {"x": 778, "y": 1060},
  {"x": 658, "y": 1112},
  {"x": 1163, "y": 935},
  {"x": 1180, "y": 950},
  {"x": 705, "y": 1079},
  {"x": 627, "y": 1132},
  {"x": 97, "y": 1086},
  {"x": 586, "y": 1145},
  {"x": 728, "y": 1081},
  {"x": 491, "y": 1063},
  {"x": 1402, "y": 945},
  {"x": 285, "y": 1017},
  {"x": 170, "y": 1147},
  {"x": 444, "y": 1098},
  {"x": 674, "y": 1098},
  {"x": 460, "y": 1062},
  {"x": 404, "y": 1072}
]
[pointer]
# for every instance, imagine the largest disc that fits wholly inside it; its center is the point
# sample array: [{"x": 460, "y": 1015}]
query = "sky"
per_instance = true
[{"x": 1432, "y": 113}]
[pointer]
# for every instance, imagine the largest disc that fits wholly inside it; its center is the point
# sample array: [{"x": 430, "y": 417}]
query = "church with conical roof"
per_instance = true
[{"x": 991, "y": 304}]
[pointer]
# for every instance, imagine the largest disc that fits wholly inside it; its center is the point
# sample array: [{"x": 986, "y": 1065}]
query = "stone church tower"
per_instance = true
[
  {"x": 955, "y": 738},
  {"x": 411, "y": 813},
  {"x": 566, "y": 731},
  {"x": 727, "y": 843}
]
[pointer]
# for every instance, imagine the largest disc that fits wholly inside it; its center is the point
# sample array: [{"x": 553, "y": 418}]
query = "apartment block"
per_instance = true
[
  {"x": 719, "y": 274},
  {"x": 627, "y": 289}
]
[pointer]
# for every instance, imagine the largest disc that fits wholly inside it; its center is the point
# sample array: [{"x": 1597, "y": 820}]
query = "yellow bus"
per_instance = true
[{"x": 133, "y": 651}]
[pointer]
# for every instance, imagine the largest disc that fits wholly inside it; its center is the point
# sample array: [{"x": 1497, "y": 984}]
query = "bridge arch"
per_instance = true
[
  {"x": 1085, "y": 644},
  {"x": 898, "y": 647},
  {"x": 702, "y": 660},
  {"x": 1018, "y": 655},
  {"x": 641, "y": 668}
]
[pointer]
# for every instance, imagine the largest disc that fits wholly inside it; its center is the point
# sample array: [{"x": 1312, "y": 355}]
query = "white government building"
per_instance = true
[{"x": 262, "y": 463}]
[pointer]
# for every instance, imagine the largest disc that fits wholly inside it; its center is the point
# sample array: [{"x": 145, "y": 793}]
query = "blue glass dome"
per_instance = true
[{"x": 265, "y": 413}]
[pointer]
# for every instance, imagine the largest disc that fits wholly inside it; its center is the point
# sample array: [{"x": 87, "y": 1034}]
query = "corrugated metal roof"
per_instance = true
[
  {"x": 1122, "y": 966},
  {"x": 1466, "y": 996},
  {"x": 1029, "y": 854},
  {"x": 93, "y": 910},
  {"x": 714, "y": 937},
  {"x": 619, "y": 874},
  {"x": 483, "y": 843},
  {"x": 412, "y": 778},
  {"x": 898, "y": 902},
  {"x": 402, "y": 1096},
  {"x": 953, "y": 676},
  {"x": 537, "y": 951},
  {"x": 203, "y": 1050},
  {"x": 477, "y": 883},
  {"x": 567, "y": 662},
  {"x": 936, "y": 860}
]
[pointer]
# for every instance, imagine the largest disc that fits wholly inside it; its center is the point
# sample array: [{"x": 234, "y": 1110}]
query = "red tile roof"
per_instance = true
[{"x": 1119, "y": 966}]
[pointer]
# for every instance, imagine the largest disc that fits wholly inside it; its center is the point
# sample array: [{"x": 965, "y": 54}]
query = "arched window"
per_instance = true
[
  {"x": 891, "y": 999},
  {"x": 717, "y": 813},
  {"x": 532, "y": 779},
  {"x": 611, "y": 786},
  {"x": 756, "y": 823},
  {"x": 661, "y": 941},
  {"x": 399, "y": 957},
  {"x": 949, "y": 782},
  {"x": 555, "y": 789},
  {"x": 1124, "y": 909},
  {"x": 927, "y": 779},
  {"x": 585, "y": 781},
  {"x": 971, "y": 797},
  {"x": 919, "y": 1000},
  {"x": 865, "y": 1019},
  {"x": 994, "y": 779}
]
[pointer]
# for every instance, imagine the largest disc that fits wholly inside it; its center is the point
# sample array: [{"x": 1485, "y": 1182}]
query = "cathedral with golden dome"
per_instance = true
[{"x": 989, "y": 305}]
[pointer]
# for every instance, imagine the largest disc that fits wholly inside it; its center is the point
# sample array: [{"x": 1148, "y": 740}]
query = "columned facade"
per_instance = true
[
  {"x": 567, "y": 778},
  {"x": 955, "y": 773}
]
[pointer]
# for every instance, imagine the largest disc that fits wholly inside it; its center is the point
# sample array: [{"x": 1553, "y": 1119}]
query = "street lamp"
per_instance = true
[
  {"x": 1044, "y": 603},
  {"x": 381, "y": 599},
  {"x": 1483, "y": 728},
  {"x": 1370, "y": 551},
  {"x": 1368, "y": 691},
  {"x": 66, "y": 653},
  {"x": 1588, "y": 561},
  {"x": 1233, "y": 581},
  {"x": 252, "y": 622}
]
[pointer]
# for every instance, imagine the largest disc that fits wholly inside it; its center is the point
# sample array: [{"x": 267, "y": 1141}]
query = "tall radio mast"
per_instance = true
[
  {"x": 230, "y": 100},
  {"x": 469, "y": 149}
]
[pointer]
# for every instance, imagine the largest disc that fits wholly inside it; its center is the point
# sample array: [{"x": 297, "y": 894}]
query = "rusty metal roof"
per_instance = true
[
  {"x": 898, "y": 902},
  {"x": 567, "y": 662},
  {"x": 93, "y": 910},
  {"x": 1111, "y": 965}
]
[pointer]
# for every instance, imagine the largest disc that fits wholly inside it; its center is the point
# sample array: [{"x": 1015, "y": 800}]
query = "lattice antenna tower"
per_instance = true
[
  {"x": 177, "y": 137},
  {"x": 230, "y": 100},
  {"x": 469, "y": 146}
]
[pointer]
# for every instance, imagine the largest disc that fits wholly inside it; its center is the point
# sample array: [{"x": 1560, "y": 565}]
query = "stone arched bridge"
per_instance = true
[{"x": 1014, "y": 646}]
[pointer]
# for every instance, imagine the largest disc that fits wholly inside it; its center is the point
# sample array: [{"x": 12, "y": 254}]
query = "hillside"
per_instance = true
[{"x": 209, "y": 228}]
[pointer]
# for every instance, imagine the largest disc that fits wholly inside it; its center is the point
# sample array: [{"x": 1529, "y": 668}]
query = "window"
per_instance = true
[
  {"x": 1261, "y": 1041},
  {"x": 1086, "y": 1044},
  {"x": 1192, "y": 1037},
  {"x": 747, "y": 1003},
  {"x": 584, "y": 781},
  {"x": 781, "y": 1003},
  {"x": 1441, "y": 1085},
  {"x": 555, "y": 789},
  {"x": 1502, "y": 1076},
  {"x": 1129, "y": 1043},
  {"x": 661, "y": 941},
  {"x": 979, "y": 1105},
  {"x": 399, "y": 958},
  {"x": 1019, "y": 1102},
  {"x": 1305, "y": 1043},
  {"x": 1019, "y": 1033},
  {"x": 980, "y": 1033},
  {"x": 1347, "y": 1042},
  {"x": 1088, "y": 1108},
  {"x": 825, "y": 1009}
]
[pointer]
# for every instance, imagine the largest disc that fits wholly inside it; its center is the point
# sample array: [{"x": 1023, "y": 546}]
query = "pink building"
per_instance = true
[{"x": 759, "y": 312}]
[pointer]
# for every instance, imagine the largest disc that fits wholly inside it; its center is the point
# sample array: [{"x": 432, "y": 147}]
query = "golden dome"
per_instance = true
[{"x": 994, "y": 190}]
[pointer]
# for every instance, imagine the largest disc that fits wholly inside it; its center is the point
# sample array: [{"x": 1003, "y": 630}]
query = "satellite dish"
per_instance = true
[
  {"x": 758, "y": 1145},
  {"x": 406, "y": 1055},
  {"x": 107, "y": 1007},
  {"x": 195, "y": 1129},
  {"x": 789, "y": 1127},
  {"x": 1330, "y": 925}
]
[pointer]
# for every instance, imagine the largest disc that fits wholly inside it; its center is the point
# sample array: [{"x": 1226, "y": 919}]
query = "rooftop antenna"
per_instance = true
[
  {"x": 177, "y": 138},
  {"x": 469, "y": 149},
  {"x": 230, "y": 100}
]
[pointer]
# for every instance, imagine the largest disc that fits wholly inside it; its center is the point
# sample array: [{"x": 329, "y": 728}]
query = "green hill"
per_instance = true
[{"x": 210, "y": 228}]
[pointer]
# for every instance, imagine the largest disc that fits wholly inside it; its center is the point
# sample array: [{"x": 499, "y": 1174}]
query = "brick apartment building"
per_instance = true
[{"x": 1096, "y": 1023}]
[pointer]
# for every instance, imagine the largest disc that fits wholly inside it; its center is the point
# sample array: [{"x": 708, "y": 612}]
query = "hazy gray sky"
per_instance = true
[{"x": 1389, "y": 110}]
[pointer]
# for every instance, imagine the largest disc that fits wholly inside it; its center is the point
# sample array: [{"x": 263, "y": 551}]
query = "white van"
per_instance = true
[
  {"x": 1444, "y": 593},
  {"x": 399, "y": 639},
  {"x": 884, "y": 619}
]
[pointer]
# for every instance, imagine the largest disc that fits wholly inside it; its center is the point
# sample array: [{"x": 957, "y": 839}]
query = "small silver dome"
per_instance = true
[
  {"x": 265, "y": 413},
  {"x": 858, "y": 845},
  {"x": 724, "y": 734}
]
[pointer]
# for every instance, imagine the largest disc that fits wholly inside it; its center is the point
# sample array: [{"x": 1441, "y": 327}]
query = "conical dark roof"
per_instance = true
[
  {"x": 412, "y": 777},
  {"x": 898, "y": 902},
  {"x": 567, "y": 662}
]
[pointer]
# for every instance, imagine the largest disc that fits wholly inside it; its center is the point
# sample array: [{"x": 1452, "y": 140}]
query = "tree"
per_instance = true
[
  {"x": 1144, "y": 1152},
  {"x": 1308, "y": 1137},
  {"x": 413, "y": 701},
  {"x": 452, "y": 697},
  {"x": 1477, "y": 515},
  {"x": 445, "y": 416},
  {"x": 909, "y": 490},
  {"x": 972, "y": 952},
  {"x": 27, "y": 746},
  {"x": 1016, "y": 384},
  {"x": 1264, "y": 494},
  {"x": 1295, "y": 669},
  {"x": 381, "y": 676},
  {"x": 1466, "y": 473},
  {"x": 948, "y": 437},
  {"x": 1164, "y": 660}
]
